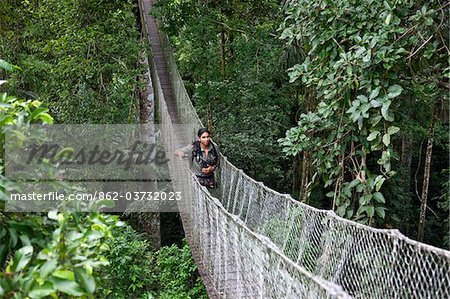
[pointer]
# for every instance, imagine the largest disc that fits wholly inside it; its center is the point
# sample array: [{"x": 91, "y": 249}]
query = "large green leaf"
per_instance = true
[
  {"x": 21, "y": 258},
  {"x": 373, "y": 135},
  {"x": 379, "y": 180},
  {"x": 354, "y": 183},
  {"x": 87, "y": 281},
  {"x": 370, "y": 211},
  {"x": 385, "y": 109},
  {"x": 3, "y": 254},
  {"x": 92, "y": 235},
  {"x": 53, "y": 215},
  {"x": 7, "y": 66},
  {"x": 394, "y": 91},
  {"x": 386, "y": 139},
  {"x": 66, "y": 286},
  {"x": 341, "y": 211},
  {"x": 46, "y": 118},
  {"x": 41, "y": 291},
  {"x": 379, "y": 197},
  {"x": 392, "y": 130},
  {"x": 64, "y": 274},
  {"x": 47, "y": 268},
  {"x": 380, "y": 212},
  {"x": 374, "y": 93}
]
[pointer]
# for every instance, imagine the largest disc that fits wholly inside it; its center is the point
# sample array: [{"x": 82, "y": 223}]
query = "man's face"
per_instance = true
[{"x": 205, "y": 139}]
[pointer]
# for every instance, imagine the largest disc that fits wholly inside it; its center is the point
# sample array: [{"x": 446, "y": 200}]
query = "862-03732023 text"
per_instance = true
[{"x": 96, "y": 195}]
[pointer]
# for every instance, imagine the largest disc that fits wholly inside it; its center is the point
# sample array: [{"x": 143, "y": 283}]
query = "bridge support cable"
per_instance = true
[
  {"x": 366, "y": 262},
  {"x": 234, "y": 261},
  {"x": 254, "y": 242}
]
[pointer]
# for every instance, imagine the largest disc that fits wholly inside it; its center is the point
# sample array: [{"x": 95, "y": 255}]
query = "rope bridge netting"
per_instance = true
[{"x": 257, "y": 243}]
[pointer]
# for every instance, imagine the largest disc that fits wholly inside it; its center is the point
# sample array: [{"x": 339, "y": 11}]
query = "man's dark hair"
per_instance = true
[
  {"x": 203, "y": 130},
  {"x": 197, "y": 150}
]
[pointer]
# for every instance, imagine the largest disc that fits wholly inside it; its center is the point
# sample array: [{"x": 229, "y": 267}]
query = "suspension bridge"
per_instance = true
[{"x": 253, "y": 242}]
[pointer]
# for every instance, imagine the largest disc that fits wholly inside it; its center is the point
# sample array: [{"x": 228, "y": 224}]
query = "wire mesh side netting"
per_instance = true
[{"x": 256, "y": 242}]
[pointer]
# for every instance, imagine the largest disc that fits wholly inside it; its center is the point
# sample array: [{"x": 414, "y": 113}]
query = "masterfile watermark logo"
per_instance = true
[
  {"x": 78, "y": 166},
  {"x": 85, "y": 152},
  {"x": 124, "y": 159}
]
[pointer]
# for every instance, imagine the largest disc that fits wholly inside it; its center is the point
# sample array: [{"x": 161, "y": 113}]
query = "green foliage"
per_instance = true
[
  {"x": 366, "y": 78},
  {"x": 18, "y": 231},
  {"x": 444, "y": 204},
  {"x": 136, "y": 270},
  {"x": 62, "y": 263},
  {"x": 16, "y": 111},
  {"x": 131, "y": 267},
  {"x": 365, "y": 62},
  {"x": 47, "y": 255},
  {"x": 177, "y": 273},
  {"x": 241, "y": 93},
  {"x": 81, "y": 57},
  {"x": 62, "y": 254}
]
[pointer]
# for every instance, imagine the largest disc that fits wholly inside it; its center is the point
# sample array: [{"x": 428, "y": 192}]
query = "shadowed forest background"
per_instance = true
[{"x": 344, "y": 105}]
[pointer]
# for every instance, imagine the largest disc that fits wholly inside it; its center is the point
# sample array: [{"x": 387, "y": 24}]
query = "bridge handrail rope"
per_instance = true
[
  {"x": 208, "y": 221},
  {"x": 255, "y": 239}
]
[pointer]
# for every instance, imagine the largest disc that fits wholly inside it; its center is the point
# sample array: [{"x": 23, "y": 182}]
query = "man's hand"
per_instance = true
[
  {"x": 179, "y": 154},
  {"x": 208, "y": 170}
]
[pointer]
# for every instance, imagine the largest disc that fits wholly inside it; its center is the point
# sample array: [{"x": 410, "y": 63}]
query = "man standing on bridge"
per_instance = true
[{"x": 204, "y": 158}]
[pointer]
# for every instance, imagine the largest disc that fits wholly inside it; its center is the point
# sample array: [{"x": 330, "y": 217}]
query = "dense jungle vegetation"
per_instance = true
[
  {"x": 66, "y": 62},
  {"x": 343, "y": 104}
]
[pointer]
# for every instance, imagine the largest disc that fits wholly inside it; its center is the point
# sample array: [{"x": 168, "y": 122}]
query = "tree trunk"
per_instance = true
[
  {"x": 406, "y": 175},
  {"x": 231, "y": 47},
  {"x": 308, "y": 105},
  {"x": 296, "y": 170},
  {"x": 306, "y": 170},
  {"x": 209, "y": 124},
  {"x": 426, "y": 181},
  {"x": 407, "y": 161},
  {"x": 222, "y": 52}
]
